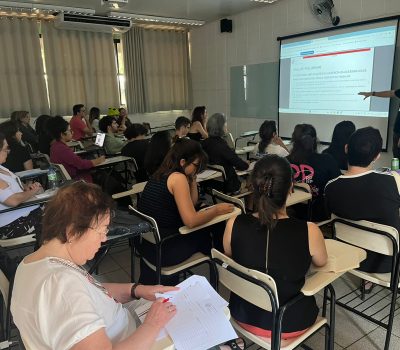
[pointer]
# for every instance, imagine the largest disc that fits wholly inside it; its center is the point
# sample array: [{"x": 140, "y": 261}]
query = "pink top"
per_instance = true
[
  {"x": 78, "y": 125},
  {"x": 77, "y": 167}
]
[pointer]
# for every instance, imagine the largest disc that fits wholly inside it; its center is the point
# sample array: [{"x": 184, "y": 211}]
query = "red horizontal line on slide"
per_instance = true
[{"x": 337, "y": 53}]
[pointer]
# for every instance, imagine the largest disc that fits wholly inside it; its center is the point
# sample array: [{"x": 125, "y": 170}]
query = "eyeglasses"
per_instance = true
[{"x": 101, "y": 233}]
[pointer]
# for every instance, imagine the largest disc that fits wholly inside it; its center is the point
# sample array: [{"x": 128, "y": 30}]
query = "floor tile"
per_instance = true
[
  {"x": 119, "y": 276},
  {"x": 123, "y": 257},
  {"x": 375, "y": 341},
  {"x": 107, "y": 265}
]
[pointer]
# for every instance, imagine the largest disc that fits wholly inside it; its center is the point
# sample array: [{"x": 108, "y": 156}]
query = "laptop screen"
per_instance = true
[{"x": 100, "y": 139}]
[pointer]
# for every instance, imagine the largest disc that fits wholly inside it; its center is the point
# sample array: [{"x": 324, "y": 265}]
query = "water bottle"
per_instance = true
[{"x": 52, "y": 179}]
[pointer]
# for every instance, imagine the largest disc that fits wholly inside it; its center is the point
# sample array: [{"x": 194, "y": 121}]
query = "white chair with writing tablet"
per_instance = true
[{"x": 380, "y": 239}]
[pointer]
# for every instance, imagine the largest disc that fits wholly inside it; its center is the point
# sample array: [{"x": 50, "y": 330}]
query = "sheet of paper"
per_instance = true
[
  {"x": 200, "y": 322},
  {"x": 251, "y": 166},
  {"x": 206, "y": 173}
]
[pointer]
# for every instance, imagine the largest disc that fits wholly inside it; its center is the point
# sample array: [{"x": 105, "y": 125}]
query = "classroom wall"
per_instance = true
[{"x": 253, "y": 41}]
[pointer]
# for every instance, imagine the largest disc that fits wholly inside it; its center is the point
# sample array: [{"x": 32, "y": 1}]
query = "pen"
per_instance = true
[{"x": 166, "y": 300}]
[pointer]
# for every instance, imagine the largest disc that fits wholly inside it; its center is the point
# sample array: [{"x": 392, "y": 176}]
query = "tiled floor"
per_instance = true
[{"x": 352, "y": 332}]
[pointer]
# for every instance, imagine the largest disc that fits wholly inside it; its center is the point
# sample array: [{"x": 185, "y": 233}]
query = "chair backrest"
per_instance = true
[
  {"x": 4, "y": 288},
  {"x": 303, "y": 185},
  {"x": 150, "y": 236},
  {"x": 218, "y": 168},
  {"x": 139, "y": 187},
  {"x": 368, "y": 235},
  {"x": 62, "y": 171},
  {"x": 11, "y": 242},
  {"x": 254, "y": 286},
  {"x": 222, "y": 197}
]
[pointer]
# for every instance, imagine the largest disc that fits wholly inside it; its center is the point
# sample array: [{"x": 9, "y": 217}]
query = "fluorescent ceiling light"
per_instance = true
[
  {"x": 265, "y": 1},
  {"x": 145, "y": 18},
  {"x": 32, "y": 7}
]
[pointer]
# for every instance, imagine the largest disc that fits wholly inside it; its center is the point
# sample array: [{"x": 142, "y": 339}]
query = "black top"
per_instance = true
[
  {"x": 194, "y": 136},
  {"x": 137, "y": 149},
  {"x": 157, "y": 202},
  {"x": 317, "y": 171},
  {"x": 339, "y": 156},
  {"x": 370, "y": 196},
  {"x": 288, "y": 262},
  {"x": 29, "y": 135},
  {"x": 44, "y": 143},
  {"x": 396, "y": 128},
  {"x": 220, "y": 153},
  {"x": 17, "y": 157}
]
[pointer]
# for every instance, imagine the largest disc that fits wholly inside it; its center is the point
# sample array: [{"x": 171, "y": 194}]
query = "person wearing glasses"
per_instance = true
[
  {"x": 80, "y": 124},
  {"x": 18, "y": 222},
  {"x": 170, "y": 197},
  {"x": 60, "y": 153},
  {"x": 112, "y": 143},
  {"x": 56, "y": 304}
]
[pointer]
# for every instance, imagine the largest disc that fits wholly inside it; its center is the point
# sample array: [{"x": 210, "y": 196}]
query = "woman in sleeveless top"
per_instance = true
[
  {"x": 271, "y": 242},
  {"x": 17, "y": 222},
  {"x": 197, "y": 129},
  {"x": 170, "y": 197}
]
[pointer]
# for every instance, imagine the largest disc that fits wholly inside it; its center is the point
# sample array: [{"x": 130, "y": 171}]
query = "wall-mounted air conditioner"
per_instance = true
[{"x": 91, "y": 23}]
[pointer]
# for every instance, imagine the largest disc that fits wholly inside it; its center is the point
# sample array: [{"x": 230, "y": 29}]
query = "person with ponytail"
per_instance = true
[
  {"x": 313, "y": 168},
  {"x": 271, "y": 242},
  {"x": 270, "y": 142}
]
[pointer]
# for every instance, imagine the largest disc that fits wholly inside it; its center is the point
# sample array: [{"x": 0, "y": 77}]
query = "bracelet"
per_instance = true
[{"x": 133, "y": 291}]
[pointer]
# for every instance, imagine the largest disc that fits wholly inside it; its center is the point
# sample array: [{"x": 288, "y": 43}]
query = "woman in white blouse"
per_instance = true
[
  {"x": 17, "y": 222},
  {"x": 270, "y": 142}
]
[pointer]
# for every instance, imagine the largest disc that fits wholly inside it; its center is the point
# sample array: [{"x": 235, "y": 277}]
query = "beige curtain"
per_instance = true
[
  {"x": 157, "y": 71},
  {"x": 22, "y": 83},
  {"x": 81, "y": 68},
  {"x": 132, "y": 43}
]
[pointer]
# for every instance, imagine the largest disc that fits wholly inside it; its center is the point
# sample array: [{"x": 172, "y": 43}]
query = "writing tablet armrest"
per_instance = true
[
  {"x": 185, "y": 230},
  {"x": 319, "y": 281}
]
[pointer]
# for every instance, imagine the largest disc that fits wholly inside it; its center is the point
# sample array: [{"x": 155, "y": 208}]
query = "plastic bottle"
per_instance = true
[{"x": 52, "y": 178}]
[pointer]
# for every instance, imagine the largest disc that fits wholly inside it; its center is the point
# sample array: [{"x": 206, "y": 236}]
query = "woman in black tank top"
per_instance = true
[{"x": 271, "y": 242}]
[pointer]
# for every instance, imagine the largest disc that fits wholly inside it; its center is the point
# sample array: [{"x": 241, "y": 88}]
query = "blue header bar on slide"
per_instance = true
[{"x": 299, "y": 43}]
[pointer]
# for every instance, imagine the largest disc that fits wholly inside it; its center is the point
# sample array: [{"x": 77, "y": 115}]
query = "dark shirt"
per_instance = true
[
  {"x": 317, "y": 171},
  {"x": 370, "y": 196},
  {"x": 44, "y": 143},
  {"x": 220, "y": 153},
  {"x": 288, "y": 262},
  {"x": 137, "y": 149},
  {"x": 194, "y": 136},
  {"x": 29, "y": 135},
  {"x": 17, "y": 157},
  {"x": 339, "y": 156},
  {"x": 396, "y": 128}
]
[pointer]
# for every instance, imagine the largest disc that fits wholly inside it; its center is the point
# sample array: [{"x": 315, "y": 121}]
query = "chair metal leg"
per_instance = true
[
  {"x": 324, "y": 302},
  {"x": 131, "y": 243},
  {"x": 391, "y": 317}
]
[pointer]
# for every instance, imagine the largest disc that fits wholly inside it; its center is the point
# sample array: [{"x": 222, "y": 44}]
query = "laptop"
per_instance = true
[{"x": 100, "y": 139}]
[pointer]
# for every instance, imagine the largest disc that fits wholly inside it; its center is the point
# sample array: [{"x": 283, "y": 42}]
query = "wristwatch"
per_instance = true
[{"x": 373, "y": 93}]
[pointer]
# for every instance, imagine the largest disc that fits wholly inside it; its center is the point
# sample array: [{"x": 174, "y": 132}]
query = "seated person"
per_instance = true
[
  {"x": 60, "y": 153},
  {"x": 19, "y": 158},
  {"x": 80, "y": 124},
  {"x": 270, "y": 241},
  {"x": 112, "y": 143},
  {"x": 160, "y": 143},
  {"x": 270, "y": 142},
  {"x": 220, "y": 153},
  {"x": 66, "y": 308},
  {"x": 44, "y": 137},
  {"x": 363, "y": 194},
  {"x": 21, "y": 221},
  {"x": 340, "y": 138},
  {"x": 123, "y": 119},
  {"x": 198, "y": 125},
  {"x": 29, "y": 135},
  {"x": 170, "y": 197},
  {"x": 182, "y": 127},
  {"x": 94, "y": 118},
  {"x": 137, "y": 147},
  {"x": 313, "y": 168}
]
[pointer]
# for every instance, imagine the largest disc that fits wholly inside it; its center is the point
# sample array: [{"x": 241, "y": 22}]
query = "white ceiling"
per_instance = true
[{"x": 205, "y": 10}]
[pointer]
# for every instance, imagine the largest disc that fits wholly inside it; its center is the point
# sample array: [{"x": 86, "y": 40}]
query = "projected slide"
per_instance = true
[{"x": 321, "y": 75}]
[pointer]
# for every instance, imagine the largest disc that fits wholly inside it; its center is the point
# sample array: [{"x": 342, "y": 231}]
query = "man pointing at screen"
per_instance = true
[{"x": 396, "y": 129}]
